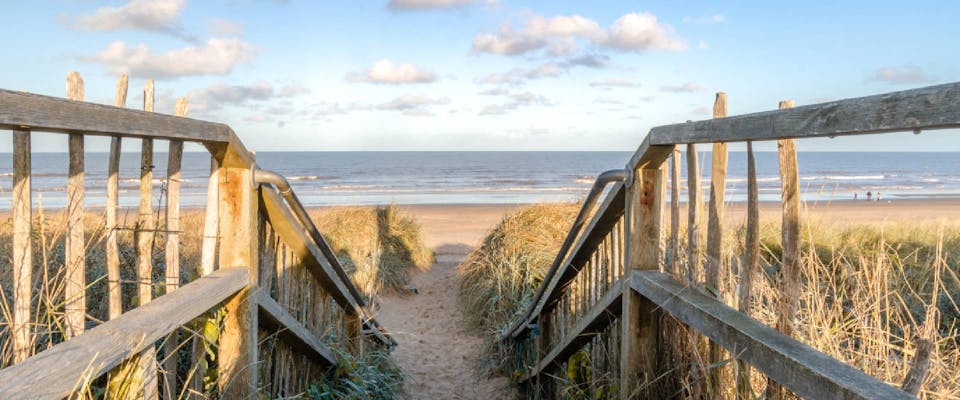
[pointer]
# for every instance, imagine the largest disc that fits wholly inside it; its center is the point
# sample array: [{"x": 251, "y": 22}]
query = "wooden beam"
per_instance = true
[
  {"x": 22, "y": 248},
  {"x": 20, "y": 110},
  {"x": 273, "y": 316},
  {"x": 639, "y": 321},
  {"x": 72, "y": 364},
  {"x": 75, "y": 249},
  {"x": 928, "y": 108},
  {"x": 804, "y": 370}
]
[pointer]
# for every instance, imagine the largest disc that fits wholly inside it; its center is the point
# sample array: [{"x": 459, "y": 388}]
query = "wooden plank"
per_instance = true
[
  {"x": 145, "y": 234},
  {"x": 74, "y": 252},
  {"x": 718, "y": 181},
  {"x": 751, "y": 264},
  {"x": 51, "y": 114},
  {"x": 211, "y": 222},
  {"x": 74, "y": 363},
  {"x": 172, "y": 250},
  {"x": 640, "y": 319},
  {"x": 273, "y": 316},
  {"x": 22, "y": 248},
  {"x": 928, "y": 108},
  {"x": 113, "y": 199},
  {"x": 674, "y": 264},
  {"x": 693, "y": 214},
  {"x": 788, "y": 278},
  {"x": 594, "y": 321},
  {"x": 238, "y": 218},
  {"x": 804, "y": 370}
]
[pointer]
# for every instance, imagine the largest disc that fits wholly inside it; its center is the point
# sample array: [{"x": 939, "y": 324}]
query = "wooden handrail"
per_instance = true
[{"x": 72, "y": 364}]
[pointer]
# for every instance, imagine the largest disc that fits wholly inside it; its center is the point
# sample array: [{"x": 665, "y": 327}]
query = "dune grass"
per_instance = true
[
  {"x": 378, "y": 246},
  {"x": 500, "y": 277},
  {"x": 870, "y": 294}
]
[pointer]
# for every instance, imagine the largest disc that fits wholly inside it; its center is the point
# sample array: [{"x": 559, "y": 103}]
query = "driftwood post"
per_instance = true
[
  {"x": 640, "y": 318},
  {"x": 22, "y": 249},
  {"x": 74, "y": 252},
  {"x": 674, "y": 266},
  {"x": 238, "y": 219},
  {"x": 693, "y": 213},
  {"x": 718, "y": 180},
  {"x": 751, "y": 263},
  {"x": 113, "y": 196},
  {"x": 789, "y": 277},
  {"x": 172, "y": 252}
]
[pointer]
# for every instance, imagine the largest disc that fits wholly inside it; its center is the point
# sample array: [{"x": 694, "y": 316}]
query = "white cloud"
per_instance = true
[
  {"x": 385, "y": 71},
  {"x": 590, "y": 61},
  {"x": 218, "y": 56},
  {"x": 220, "y": 27},
  {"x": 516, "y": 101},
  {"x": 409, "y": 102},
  {"x": 612, "y": 83},
  {"x": 148, "y": 15},
  {"x": 642, "y": 31},
  {"x": 518, "y": 76},
  {"x": 632, "y": 32},
  {"x": 688, "y": 87},
  {"x": 903, "y": 75},
  {"x": 406, "y": 5},
  {"x": 494, "y": 92},
  {"x": 218, "y": 96},
  {"x": 706, "y": 19}
]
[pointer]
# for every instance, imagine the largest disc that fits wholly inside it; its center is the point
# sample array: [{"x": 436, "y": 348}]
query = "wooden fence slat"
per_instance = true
[
  {"x": 113, "y": 205},
  {"x": 674, "y": 264},
  {"x": 74, "y": 252},
  {"x": 693, "y": 213},
  {"x": 789, "y": 277},
  {"x": 718, "y": 180},
  {"x": 172, "y": 251},
  {"x": 22, "y": 248},
  {"x": 751, "y": 263}
]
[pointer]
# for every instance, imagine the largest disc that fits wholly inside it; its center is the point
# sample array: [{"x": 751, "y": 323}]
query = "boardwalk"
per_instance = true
[{"x": 438, "y": 356}]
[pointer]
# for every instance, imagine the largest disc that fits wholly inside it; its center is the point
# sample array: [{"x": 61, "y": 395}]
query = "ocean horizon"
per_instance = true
[{"x": 497, "y": 177}]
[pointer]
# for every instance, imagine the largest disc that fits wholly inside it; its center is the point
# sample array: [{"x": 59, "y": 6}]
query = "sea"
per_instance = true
[{"x": 365, "y": 178}]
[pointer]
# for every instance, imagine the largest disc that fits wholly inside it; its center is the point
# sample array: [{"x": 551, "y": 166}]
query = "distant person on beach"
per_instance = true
[
  {"x": 854, "y": 196},
  {"x": 869, "y": 196},
  {"x": 878, "y": 197}
]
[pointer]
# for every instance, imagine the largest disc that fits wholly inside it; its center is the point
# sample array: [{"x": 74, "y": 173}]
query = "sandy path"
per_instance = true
[{"x": 434, "y": 351}]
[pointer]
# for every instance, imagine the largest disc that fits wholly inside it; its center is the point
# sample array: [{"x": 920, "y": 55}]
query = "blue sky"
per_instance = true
[{"x": 482, "y": 74}]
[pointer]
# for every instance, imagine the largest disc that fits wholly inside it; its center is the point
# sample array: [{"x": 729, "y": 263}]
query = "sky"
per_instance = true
[{"x": 481, "y": 74}]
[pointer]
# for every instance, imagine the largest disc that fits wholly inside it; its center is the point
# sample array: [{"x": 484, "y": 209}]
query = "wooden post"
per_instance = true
[
  {"x": 544, "y": 383},
  {"x": 718, "y": 180},
  {"x": 751, "y": 263},
  {"x": 22, "y": 249},
  {"x": 74, "y": 252},
  {"x": 693, "y": 212},
  {"x": 789, "y": 277},
  {"x": 172, "y": 252},
  {"x": 238, "y": 219},
  {"x": 644, "y": 248},
  {"x": 674, "y": 266},
  {"x": 113, "y": 198}
]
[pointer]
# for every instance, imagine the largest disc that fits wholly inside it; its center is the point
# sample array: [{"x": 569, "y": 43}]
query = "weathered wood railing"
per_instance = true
[
  {"x": 267, "y": 308},
  {"x": 602, "y": 314}
]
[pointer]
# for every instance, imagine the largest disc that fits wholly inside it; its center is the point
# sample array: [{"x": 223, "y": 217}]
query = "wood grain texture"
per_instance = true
[
  {"x": 22, "y": 248},
  {"x": 274, "y": 317},
  {"x": 74, "y": 252},
  {"x": 51, "y": 114},
  {"x": 113, "y": 205},
  {"x": 788, "y": 279},
  {"x": 145, "y": 236},
  {"x": 802, "y": 369},
  {"x": 211, "y": 224},
  {"x": 238, "y": 218},
  {"x": 73, "y": 363},
  {"x": 172, "y": 250},
  {"x": 673, "y": 265},
  {"x": 933, "y": 107},
  {"x": 693, "y": 214},
  {"x": 751, "y": 263},
  {"x": 639, "y": 320},
  {"x": 714, "y": 266}
]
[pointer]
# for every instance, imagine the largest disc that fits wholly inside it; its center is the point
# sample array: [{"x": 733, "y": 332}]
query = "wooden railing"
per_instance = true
[
  {"x": 267, "y": 310},
  {"x": 625, "y": 285}
]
